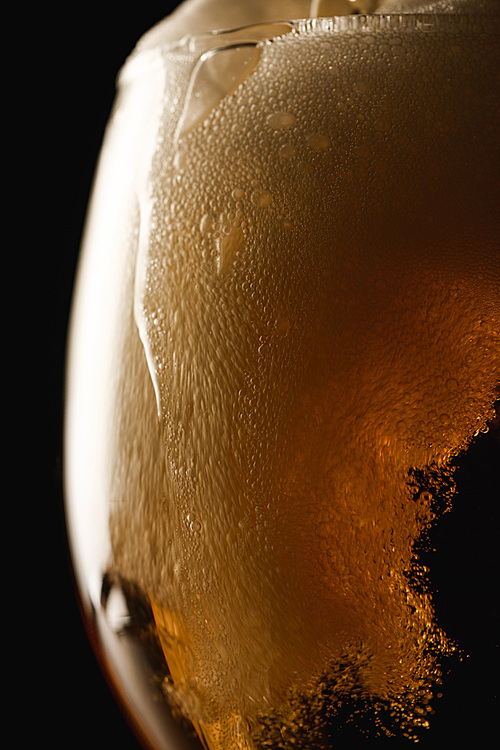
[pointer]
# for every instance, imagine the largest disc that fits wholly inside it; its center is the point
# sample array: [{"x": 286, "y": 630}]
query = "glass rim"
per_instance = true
[{"x": 142, "y": 58}]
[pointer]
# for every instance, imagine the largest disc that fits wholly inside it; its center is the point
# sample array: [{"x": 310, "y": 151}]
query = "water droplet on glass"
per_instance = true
[
  {"x": 318, "y": 142},
  {"x": 288, "y": 151},
  {"x": 262, "y": 198},
  {"x": 207, "y": 224},
  {"x": 382, "y": 125},
  {"x": 306, "y": 168},
  {"x": 228, "y": 247},
  {"x": 195, "y": 526},
  {"x": 281, "y": 120},
  {"x": 283, "y": 325}
]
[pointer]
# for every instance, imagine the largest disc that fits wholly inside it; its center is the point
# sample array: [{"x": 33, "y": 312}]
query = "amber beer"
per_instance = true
[{"x": 286, "y": 339}]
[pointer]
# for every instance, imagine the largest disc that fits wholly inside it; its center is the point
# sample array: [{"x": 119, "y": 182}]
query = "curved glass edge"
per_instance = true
[{"x": 140, "y": 61}]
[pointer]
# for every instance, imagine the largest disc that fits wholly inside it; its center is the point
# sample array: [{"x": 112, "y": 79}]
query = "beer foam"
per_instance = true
[
  {"x": 476, "y": 7},
  {"x": 318, "y": 306}
]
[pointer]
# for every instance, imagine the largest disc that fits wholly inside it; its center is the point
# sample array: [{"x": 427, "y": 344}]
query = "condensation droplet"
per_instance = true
[
  {"x": 207, "y": 224},
  {"x": 306, "y": 168},
  {"x": 288, "y": 151},
  {"x": 283, "y": 325},
  {"x": 281, "y": 120},
  {"x": 361, "y": 87},
  {"x": 318, "y": 142},
  {"x": 180, "y": 159},
  {"x": 382, "y": 125},
  {"x": 262, "y": 198},
  {"x": 195, "y": 526},
  {"x": 228, "y": 247}
]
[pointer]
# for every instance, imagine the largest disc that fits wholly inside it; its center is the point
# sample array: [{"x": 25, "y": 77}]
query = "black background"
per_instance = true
[{"x": 62, "y": 87}]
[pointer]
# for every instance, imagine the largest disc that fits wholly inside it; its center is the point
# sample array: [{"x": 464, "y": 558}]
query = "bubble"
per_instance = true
[
  {"x": 288, "y": 151},
  {"x": 318, "y": 142}
]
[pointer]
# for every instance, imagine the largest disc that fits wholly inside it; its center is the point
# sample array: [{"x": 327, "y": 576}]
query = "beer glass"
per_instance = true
[{"x": 284, "y": 349}]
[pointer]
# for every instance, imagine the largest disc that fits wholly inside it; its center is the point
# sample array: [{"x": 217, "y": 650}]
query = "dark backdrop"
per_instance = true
[{"x": 64, "y": 95}]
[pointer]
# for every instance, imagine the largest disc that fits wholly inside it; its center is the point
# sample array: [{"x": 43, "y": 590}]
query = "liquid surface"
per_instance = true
[{"x": 308, "y": 335}]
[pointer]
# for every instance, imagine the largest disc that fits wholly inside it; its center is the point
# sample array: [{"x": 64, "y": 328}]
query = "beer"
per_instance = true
[{"x": 286, "y": 337}]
